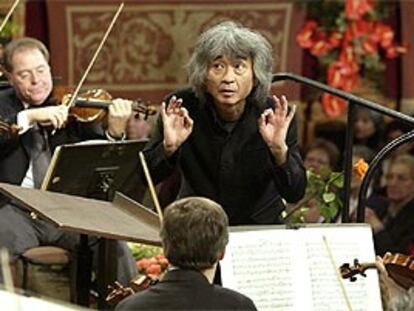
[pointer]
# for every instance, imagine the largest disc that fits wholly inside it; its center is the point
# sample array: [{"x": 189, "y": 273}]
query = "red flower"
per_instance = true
[
  {"x": 304, "y": 37},
  {"x": 342, "y": 75},
  {"x": 152, "y": 266},
  {"x": 333, "y": 106},
  {"x": 154, "y": 269},
  {"x": 142, "y": 264},
  {"x": 321, "y": 45},
  {"x": 335, "y": 39},
  {"x": 370, "y": 46},
  {"x": 356, "y": 9},
  {"x": 385, "y": 35},
  {"x": 358, "y": 41},
  {"x": 395, "y": 51}
]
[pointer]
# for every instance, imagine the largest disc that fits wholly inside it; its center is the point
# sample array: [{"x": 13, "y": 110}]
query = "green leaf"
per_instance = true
[
  {"x": 338, "y": 179},
  {"x": 328, "y": 197}
]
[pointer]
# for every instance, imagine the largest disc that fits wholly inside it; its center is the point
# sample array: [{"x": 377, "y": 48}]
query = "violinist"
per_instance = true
[
  {"x": 231, "y": 141},
  {"x": 394, "y": 296},
  {"x": 194, "y": 235},
  {"x": 25, "y": 154}
]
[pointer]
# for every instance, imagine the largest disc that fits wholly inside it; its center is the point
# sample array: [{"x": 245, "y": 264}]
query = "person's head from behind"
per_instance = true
[
  {"x": 400, "y": 179},
  {"x": 321, "y": 153},
  {"x": 368, "y": 126},
  {"x": 28, "y": 71},
  {"x": 194, "y": 233},
  {"x": 230, "y": 63}
]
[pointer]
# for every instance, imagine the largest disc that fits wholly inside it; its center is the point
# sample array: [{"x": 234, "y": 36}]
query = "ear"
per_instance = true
[{"x": 221, "y": 255}]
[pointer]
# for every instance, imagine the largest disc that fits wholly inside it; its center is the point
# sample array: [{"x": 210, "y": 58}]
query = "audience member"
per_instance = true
[
  {"x": 369, "y": 127},
  {"x": 321, "y": 153},
  {"x": 392, "y": 217}
]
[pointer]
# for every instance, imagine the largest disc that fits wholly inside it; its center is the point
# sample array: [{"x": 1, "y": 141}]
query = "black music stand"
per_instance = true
[{"x": 96, "y": 169}]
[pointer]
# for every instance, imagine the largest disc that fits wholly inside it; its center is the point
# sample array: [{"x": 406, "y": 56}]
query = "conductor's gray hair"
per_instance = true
[{"x": 234, "y": 40}]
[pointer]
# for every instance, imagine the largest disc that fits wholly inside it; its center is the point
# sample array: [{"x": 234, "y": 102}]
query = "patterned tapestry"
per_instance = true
[{"x": 146, "y": 52}]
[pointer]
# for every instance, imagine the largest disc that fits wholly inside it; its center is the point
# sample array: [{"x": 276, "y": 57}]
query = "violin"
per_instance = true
[
  {"x": 8, "y": 129},
  {"x": 119, "y": 292},
  {"x": 399, "y": 267},
  {"x": 92, "y": 105}
]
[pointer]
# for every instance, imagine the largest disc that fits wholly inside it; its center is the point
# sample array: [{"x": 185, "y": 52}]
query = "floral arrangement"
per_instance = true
[
  {"x": 321, "y": 193},
  {"x": 149, "y": 259},
  {"x": 348, "y": 38},
  {"x": 153, "y": 266}
]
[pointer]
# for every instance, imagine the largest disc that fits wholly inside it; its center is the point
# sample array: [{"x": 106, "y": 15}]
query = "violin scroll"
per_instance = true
[
  {"x": 349, "y": 272},
  {"x": 399, "y": 267}
]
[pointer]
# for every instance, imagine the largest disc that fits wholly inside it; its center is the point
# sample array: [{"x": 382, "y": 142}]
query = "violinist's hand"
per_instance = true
[
  {"x": 54, "y": 116},
  {"x": 388, "y": 286},
  {"x": 274, "y": 125},
  {"x": 177, "y": 124},
  {"x": 372, "y": 219},
  {"x": 118, "y": 115}
]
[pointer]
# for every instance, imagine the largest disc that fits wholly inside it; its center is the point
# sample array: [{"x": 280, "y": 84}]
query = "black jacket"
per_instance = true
[
  {"x": 14, "y": 156},
  {"x": 234, "y": 168},
  {"x": 186, "y": 290}
]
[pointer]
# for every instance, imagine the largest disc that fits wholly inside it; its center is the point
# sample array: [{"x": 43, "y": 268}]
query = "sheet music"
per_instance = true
[{"x": 285, "y": 269}]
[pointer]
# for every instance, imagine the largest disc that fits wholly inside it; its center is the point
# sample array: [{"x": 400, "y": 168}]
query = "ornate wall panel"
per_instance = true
[{"x": 146, "y": 52}]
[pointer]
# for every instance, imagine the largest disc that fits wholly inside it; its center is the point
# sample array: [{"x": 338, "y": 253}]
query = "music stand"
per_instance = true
[{"x": 97, "y": 169}]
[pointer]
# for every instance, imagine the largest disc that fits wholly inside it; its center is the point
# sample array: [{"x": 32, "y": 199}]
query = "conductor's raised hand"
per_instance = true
[
  {"x": 274, "y": 125},
  {"x": 177, "y": 124}
]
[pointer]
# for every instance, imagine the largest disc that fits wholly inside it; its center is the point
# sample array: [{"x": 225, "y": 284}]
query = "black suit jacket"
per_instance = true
[
  {"x": 186, "y": 290},
  {"x": 14, "y": 158},
  {"x": 234, "y": 168}
]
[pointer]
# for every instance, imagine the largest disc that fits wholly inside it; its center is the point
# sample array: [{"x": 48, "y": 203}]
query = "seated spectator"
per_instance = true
[
  {"x": 395, "y": 129},
  {"x": 321, "y": 153},
  {"x": 140, "y": 126},
  {"x": 392, "y": 216},
  {"x": 369, "y": 128},
  {"x": 313, "y": 215},
  {"x": 194, "y": 235}
]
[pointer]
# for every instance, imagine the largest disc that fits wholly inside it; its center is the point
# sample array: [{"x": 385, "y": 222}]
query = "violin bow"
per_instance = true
[
  {"x": 151, "y": 186},
  {"x": 95, "y": 56},
  {"x": 7, "y": 17},
  {"x": 337, "y": 274}
]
